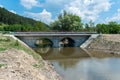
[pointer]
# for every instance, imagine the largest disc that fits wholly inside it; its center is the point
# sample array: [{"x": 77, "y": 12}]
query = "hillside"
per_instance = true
[{"x": 15, "y": 22}]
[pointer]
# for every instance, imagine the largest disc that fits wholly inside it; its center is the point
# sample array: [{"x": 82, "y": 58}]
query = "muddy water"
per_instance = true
[{"x": 79, "y": 64}]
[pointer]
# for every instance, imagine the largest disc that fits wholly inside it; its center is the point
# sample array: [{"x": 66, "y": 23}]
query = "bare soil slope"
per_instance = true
[
  {"x": 18, "y": 65},
  {"x": 107, "y": 42}
]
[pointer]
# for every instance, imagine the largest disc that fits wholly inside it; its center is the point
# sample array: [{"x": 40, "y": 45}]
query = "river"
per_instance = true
[{"x": 78, "y": 64}]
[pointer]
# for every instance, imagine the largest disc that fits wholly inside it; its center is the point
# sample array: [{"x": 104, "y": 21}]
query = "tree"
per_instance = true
[
  {"x": 87, "y": 28},
  {"x": 92, "y": 27},
  {"x": 113, "y": 27},
  {"x": 102, "y": 28},
  {"x": 67, "y": 22},
  {"x": 39, "y": 26},
  {"x": 110, "y": 28}
]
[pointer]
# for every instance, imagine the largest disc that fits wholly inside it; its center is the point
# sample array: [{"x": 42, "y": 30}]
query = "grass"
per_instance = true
[
  {"x": 4, "y": 43},
  {"x": 1, "y": 65},
  {"x": 2, "y": 49},
  {"x": 7, "y": 43}
]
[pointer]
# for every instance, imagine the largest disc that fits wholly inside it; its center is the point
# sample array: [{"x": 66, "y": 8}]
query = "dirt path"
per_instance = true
[{"x": 18, "y": 65}]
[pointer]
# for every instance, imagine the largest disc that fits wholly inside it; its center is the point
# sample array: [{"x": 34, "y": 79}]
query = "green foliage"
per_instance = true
[
  {"x": 114, "y": 27},
  {"x": 19, "y": 23},
  {"x": 11, "y": 18},
  {"x": 2, "y": 49},
  {"x": 4, "y": 39},
  {"x": 18, "y": 28},
  {"x": 2, "y": 65},
  {"x": 89, "y": 27},
  {"x": 16, "y": 43},
  {"x": 102, "y": 28},
  {"x": 110, "y": 28},
  {"x": 39, "y": 65},
  {"x": 39, "y": 26},
  {"x": 4, "y": 42},
  {"x": 67, "y": 22}
]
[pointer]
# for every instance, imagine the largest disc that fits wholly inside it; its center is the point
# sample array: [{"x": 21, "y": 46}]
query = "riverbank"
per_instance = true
[
  {"x": 106, "y": 42},
  {"x": 19, "y": 63}
]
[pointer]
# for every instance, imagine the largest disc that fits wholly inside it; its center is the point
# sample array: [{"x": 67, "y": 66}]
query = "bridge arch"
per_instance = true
[{"x": 67, "y": 42}]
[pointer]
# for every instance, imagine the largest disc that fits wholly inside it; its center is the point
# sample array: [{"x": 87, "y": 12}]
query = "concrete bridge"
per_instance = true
[{"x": 56, "y": 39}]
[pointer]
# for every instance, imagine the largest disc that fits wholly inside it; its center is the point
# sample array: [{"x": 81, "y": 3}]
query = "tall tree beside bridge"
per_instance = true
[{"x": 67, "y": 22}]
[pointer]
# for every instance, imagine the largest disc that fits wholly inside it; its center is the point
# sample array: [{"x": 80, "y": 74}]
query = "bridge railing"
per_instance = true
[{"x": 53, "y": 32}]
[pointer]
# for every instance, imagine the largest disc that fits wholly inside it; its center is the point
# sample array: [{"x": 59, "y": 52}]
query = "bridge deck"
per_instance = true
[{"x": 52, "y": 33}]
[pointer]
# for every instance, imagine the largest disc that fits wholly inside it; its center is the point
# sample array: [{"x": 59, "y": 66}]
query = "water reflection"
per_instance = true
[
  {"x": 88, "y": 69},
  {"x": 43, "y": 45},
  {"x": 76, "y": 64},
  {"x": 64, "y": 53},
  {"x": 104, "y": 69},
  {"x": 69, "y": 50},
  {"x": 66, "y": 65}
]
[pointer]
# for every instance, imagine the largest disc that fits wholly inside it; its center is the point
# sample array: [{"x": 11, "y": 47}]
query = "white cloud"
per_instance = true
[
  {"x": 30, "y": 3},
  {"x": 44, "y": 16},
  {"x": 88, "y": 9},
  {"x": 57, "y": 2},
  {"x": 114, "y": 17},
  {"x": 1, "y": 6},
  {"x": 12, "y": 11}
]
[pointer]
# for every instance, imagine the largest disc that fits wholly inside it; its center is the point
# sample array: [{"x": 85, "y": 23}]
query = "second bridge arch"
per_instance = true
[{"x": 67, "y": 42}]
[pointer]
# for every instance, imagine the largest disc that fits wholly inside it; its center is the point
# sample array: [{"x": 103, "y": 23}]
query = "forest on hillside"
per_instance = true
[{"x": 14, "y": 22}]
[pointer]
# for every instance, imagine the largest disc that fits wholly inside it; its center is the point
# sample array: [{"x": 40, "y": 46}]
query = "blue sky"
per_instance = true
[{"x": 99, "y": 11}]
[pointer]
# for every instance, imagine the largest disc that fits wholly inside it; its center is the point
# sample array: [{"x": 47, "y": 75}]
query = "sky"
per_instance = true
[{"x": 99, "y": 11}]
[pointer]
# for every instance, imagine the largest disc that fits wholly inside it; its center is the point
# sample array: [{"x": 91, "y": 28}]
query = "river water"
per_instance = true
[{"x": 79, "y": 64}]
